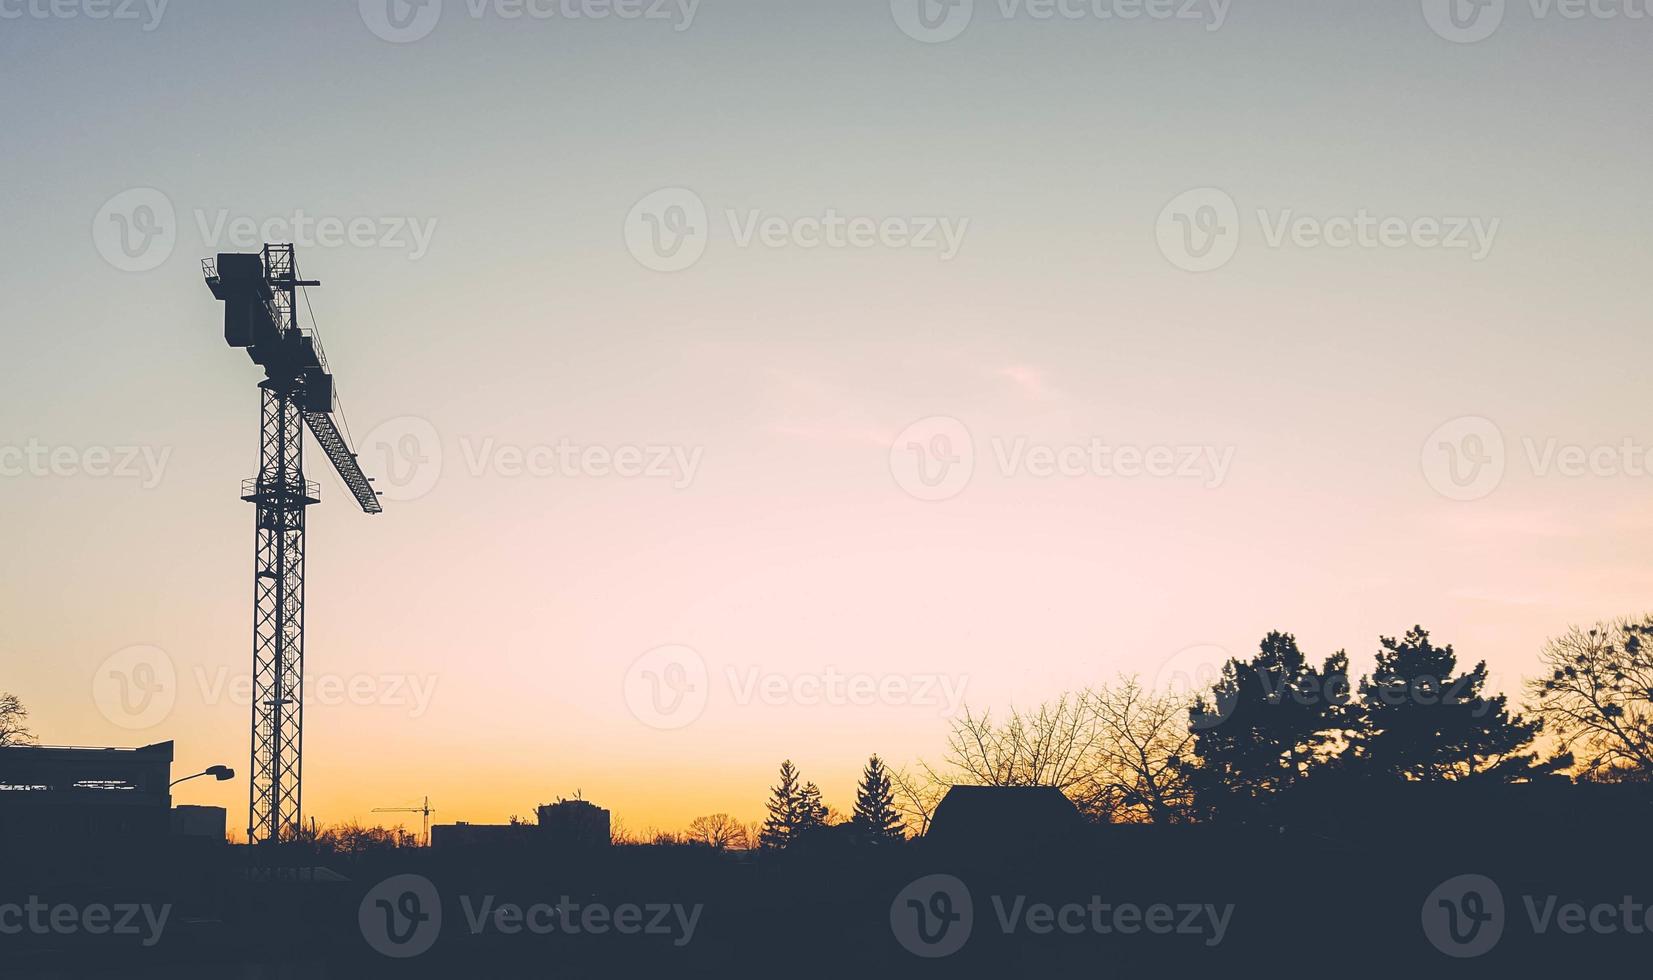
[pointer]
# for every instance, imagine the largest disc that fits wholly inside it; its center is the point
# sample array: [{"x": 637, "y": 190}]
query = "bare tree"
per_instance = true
[
  {"x": 622, "y": 836},
  {"x": 351, "y": 839},
  {"x": 12, "y": 718},
  {"x": 917, "y": 794},
  {"x": 1113, "y": 749},
  {"x": 720, "y": 832},
  {"x": 1057, "y": 745},
  {"x": 1598, "y": 696},
  {"x": 1144, "y": 737}
]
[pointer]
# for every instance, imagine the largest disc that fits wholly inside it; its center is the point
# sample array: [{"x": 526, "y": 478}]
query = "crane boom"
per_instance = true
[{"x": 333, "y": 443}]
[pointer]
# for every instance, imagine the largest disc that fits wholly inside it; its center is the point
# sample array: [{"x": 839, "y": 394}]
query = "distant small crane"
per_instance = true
[{"x": 426, "y": 810}]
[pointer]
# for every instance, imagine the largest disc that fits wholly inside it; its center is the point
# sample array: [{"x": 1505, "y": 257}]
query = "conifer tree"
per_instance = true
[
  {"x": 1425, "y": 722},
  {"x": 1270, "y": 725},
  {"x": 875, "y": 818},
  {"x": 812, "y": 811},
  {"x": 781, "y": 826}
]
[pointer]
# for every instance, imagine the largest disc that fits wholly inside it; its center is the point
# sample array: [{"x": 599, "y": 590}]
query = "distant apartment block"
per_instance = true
[{"x": 575, "y": 824}]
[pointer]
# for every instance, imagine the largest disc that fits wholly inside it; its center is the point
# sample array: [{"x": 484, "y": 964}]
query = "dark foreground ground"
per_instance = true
[{"x": 1505, "y": 894}]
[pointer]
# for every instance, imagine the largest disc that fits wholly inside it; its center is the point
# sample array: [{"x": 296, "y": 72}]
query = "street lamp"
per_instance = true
[{"x": 219, "y": 773}]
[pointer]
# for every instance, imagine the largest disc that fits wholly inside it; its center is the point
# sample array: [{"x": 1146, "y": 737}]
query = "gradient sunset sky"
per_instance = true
[{"x": 521, "y": 604}]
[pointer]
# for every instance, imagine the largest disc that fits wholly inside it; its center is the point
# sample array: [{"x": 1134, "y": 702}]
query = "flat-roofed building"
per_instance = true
[{"x": 85, "y": 806}]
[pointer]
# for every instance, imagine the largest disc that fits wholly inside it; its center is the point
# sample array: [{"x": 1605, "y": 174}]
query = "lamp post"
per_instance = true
[{"x": 219, "y": 773}]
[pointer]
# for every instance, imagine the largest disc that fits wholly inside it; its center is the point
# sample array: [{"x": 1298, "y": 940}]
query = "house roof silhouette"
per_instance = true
[{"x": 992, "y": 817}]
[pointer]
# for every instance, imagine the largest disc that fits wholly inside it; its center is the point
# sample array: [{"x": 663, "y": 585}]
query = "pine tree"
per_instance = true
[
  {"x": 875, "y": 818},
  {"x": 812, "y": 811},
  {"x": 781, "y": 826},
  {"x": 1427, "y": 723},
  {"x": 1269, "y": 725}
]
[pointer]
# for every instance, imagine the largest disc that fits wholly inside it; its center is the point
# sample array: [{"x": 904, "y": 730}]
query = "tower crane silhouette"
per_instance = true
[
  {"x": 260, "y": 292},
  {"x": 426, "y": 810}
]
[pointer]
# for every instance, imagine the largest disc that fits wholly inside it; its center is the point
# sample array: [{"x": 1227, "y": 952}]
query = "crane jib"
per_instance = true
[{"x": 333, "y": 444}]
